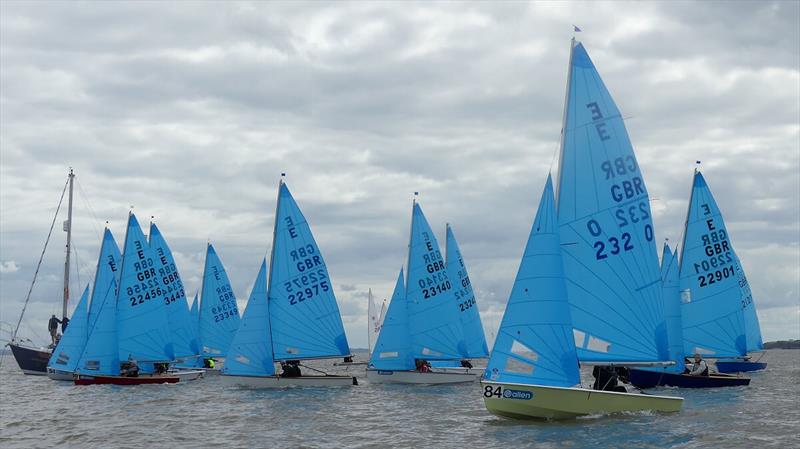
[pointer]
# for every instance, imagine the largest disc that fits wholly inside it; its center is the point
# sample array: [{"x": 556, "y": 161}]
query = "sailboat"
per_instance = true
[
  {"x": 673, "y": 375},
  {"x": 422, "y": 323},
  {"x": 602, "y": 219},
  {"x": 32, "y": 359},
  {"x": 217, "y": 314},
  {"x": 131, "y": 321},
  {"x": 467, "y": 307},
  {"x": 293, "y": 315},
  {"x": 719, "y": 318},
  {"x": 533, "y": 372},
  {"x": 64, "y": 361},
  {"x": 375, "y": 320}
]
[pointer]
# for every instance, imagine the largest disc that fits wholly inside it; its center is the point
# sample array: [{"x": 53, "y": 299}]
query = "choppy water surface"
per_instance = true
[{"x": 38, "y": 412}]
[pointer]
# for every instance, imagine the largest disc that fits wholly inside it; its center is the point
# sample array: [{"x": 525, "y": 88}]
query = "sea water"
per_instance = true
[{"x": 39, "y": 412}]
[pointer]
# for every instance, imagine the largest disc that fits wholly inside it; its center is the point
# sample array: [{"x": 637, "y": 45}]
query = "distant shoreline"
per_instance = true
[{"x": 782, "y": 344}]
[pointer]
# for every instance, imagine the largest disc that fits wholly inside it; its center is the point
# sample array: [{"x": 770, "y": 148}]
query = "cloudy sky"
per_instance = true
[{"x": 190, "y": 112}]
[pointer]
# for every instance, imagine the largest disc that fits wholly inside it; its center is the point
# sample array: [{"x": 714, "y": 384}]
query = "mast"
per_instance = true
[
  {"x": 564, "y": 123},
  {"x": 68, "y": 228},
  {"x": 272, "y": 264}
]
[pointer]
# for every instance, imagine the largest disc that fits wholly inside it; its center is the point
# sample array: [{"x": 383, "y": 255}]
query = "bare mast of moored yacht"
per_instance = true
[{"x": 68, "y": 229}]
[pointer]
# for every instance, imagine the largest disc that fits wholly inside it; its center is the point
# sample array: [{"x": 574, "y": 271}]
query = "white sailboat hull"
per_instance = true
[
  {"x": 414, "y": 377},
  {"x": 286, "y": 382},
  {"x": 520, "y": 401},
  {"x": 60, "y": 375},
  {"x": 186, "y": 375}
]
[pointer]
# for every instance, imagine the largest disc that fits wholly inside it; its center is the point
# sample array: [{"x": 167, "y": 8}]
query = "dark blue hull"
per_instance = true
[
  {"x": 739, "y": 366},
  {"x": 31, "y": 360},
  {"x": 649, "y": 379}
]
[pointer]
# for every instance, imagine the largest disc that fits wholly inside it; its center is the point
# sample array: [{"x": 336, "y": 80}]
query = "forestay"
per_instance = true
[
  {"x": 465, "y": 300},
  {"x": 710, "y": 277},
  {"x": 142, "y": 326},
  {"x": 303, "y": 311},
  {"x": 606, "y": 230},
  {"x": 393, "y": 347},
  {"x": 534, "y": 344},
  {"x": 184, "y": 336},
  {"x": 68, "y": 350},
  {"x": 434, "y": 322},
  {"x": 219, "y": 314},
  {"x": 250, "y": 353}
]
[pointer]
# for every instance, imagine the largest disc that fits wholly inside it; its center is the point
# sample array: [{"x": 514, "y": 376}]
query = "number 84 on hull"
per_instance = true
[{"x": 520, "y": 401}]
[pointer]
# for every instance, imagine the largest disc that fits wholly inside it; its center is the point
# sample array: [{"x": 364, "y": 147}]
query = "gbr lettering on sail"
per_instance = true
[{"x": 626, "y": 191}]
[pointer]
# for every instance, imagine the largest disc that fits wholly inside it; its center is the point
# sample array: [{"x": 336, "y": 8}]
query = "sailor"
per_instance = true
[
  {"x": 290, "y": 368},
  {"x": 466, "y": 364},
  {"x": 700, "y": 367},
  {"x": 605, "y": 379},
  {"x": 52, "y": 326},
  {"x": 133, "y": 367},
  {"x": 422, "y": 366},
  {"x": 210, "y": 363},
  {"x": 64, "y": 323}
]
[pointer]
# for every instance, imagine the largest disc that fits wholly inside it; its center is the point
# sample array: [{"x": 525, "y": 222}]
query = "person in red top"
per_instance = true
[{"x": 422, "y": 366}]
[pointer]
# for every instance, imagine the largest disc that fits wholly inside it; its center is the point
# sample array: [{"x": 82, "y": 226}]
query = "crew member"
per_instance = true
[{"x": 52, "y": 327}]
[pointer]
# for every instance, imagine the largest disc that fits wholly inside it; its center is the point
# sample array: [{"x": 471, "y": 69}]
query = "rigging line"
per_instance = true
[
  {"x": 41, "y": 257},
  {"x": 89, "y": 207}
]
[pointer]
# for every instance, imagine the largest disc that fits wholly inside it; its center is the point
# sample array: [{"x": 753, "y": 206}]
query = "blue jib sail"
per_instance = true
[
  {"x": 713, "y": 321},
  {"x": 250, "y": 353},
  {"x": 219, "y": 314},
  {"x": 68, "y": 350},
  {"x": 101, "y": 353},
  {"x": 534, "y": 344},
  {"x": 304, "y": 315},
  {"x": 142, "y": 327},
  {"x": 606, "y": 228},
  {"x": 751, "y": 325},
  {"x": 672, "y": 311},
  {"x": 108, "y": 271},
  {"x": 434, "y": 321},
  {"x": 393, "y": 349},
  {"x": 465, "y": 300},
  {"x": 184, "y": 337}
]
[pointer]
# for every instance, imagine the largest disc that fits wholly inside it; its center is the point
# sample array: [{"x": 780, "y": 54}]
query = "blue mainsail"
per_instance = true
[
  {"x": 534, "y": 344},
  {"x": 219, "y": 314},
  {"x": 68, "y": 350},
  {"x": 393, "y": 347},
  {"x": 465, "y": 299},
  {"x": 713, "y": 319},
  {"x": 108, "y": 271},
  {"x": 434, "y": 321},
  {"x": 304, "y": 315},
  {"x": 250, "y": 353},
  {"x": 101, "y": 354},
  {"x": 184, "y": 337},
  {"x": 606, "y": 229},
  {"x": 142, "y": 326}
]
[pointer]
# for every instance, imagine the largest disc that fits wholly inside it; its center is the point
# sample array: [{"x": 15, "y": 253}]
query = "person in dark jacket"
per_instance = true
[{"x": 52, "y": 327}]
